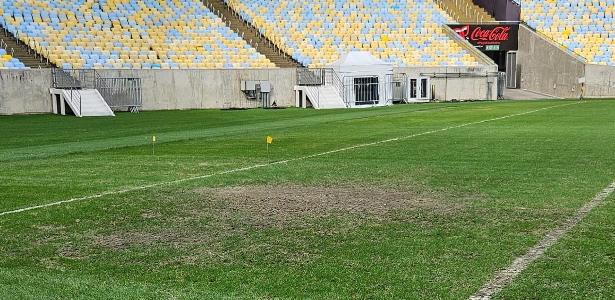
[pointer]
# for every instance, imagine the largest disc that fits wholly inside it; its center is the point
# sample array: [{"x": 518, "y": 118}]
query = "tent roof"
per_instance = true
[{"x": 359, "y": 58}]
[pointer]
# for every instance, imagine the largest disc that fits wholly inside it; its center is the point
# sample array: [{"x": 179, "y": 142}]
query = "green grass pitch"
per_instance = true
[{"x": 428, "y": 217}]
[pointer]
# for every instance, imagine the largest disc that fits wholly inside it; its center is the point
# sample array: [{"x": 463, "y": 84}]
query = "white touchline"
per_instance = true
[
  {"x": 258, "y": 166},
  {"x": 506, "y": 276}
]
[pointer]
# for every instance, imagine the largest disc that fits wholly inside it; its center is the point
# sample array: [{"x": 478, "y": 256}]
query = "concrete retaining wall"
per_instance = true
[
  {"x": 25, "y": 91},
  {"x": 546, "y": 68},
  {"x": 458, "y": 83},
  {"x": 195, "y": 89},
  {"x": 599, "y": 81},
  {"x": 481, "y": 57}
]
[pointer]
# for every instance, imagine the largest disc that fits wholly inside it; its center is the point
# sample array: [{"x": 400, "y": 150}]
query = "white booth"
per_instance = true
[{"x": 366, "y": 79}]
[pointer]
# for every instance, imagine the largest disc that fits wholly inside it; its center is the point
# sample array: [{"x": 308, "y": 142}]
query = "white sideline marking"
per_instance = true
[
  {"x": 258, "y": 166},
  {"x": 506, "y": 276}
]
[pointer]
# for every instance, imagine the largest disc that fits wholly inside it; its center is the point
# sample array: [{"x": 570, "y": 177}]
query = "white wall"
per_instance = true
[
  {"x": 599, "y": 81},
  {"x": 454, "y": 86}
]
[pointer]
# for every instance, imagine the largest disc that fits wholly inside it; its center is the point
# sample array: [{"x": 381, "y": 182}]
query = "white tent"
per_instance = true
[{"x": 366, "y": 79}]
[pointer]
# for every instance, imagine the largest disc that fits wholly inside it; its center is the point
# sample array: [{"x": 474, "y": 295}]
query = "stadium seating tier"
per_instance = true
[
  {"x": 148, "y": 34},
  {"x": 584, "y": 26},
  {"x": 7, "y": 61},
  {"x": 184, "y": 34},
  {"x": 316, "y": 33}
]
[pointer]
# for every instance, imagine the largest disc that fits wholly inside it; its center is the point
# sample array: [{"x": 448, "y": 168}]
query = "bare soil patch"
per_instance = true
[
  {"x": 282, "y": 205},
  {"x": 201, "y": 225}
]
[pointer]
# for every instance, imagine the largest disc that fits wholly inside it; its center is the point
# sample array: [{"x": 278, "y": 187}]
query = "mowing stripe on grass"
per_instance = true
[
  {"x": 42, "y": 151},
  {"x": 506, "y": 276},
  {"x": 258, "y": 166}
]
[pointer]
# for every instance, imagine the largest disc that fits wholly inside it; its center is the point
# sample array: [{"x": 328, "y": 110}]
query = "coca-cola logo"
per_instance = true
[
  {"x": 489, "y": 37},
  {"x": 496, "y": 34},
  {"x": 463, "y": 31}
]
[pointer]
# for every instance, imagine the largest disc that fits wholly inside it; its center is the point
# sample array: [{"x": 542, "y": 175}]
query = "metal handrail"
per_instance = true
[
  {"x": 336, "y": 82},
  {"x": 306, "y": 76},
  {"x": 271, "y": 41},
  {"x": 6, "y": 47},
  {"x": 121, "y": 92},
  {"x": 33, "y": 48},
  {"x": 76, "y": 94}
]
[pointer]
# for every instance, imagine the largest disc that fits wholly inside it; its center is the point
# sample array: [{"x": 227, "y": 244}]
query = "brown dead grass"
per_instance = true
[
  {"x": 279, "y": 206},
  {"x": 205, "y": 219}
]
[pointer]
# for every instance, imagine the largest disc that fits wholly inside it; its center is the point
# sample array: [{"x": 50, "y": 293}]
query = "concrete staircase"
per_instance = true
[
  {"x": 322, "y": 97},
  {"x": 465, "y": 11},
  {"x": 93, "y": 104},
  {"x": 21, "y": 51},
  {"x": 83, "y": 103},
  {"x": 250, "y": 34}
]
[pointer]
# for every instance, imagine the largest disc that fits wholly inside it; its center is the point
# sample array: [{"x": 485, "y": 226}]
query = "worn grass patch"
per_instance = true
[
  {"x": 206, "y": 218},
  {"x": 280, "y": 205}
]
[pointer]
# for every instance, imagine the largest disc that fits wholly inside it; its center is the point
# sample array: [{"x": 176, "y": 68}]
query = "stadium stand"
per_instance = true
[
  {"x": 585, "y": 27},
  {"x": 7, "y": 61},
  {"x": 250, "y": 34},
  {"x": 316, "y": 33},
  {"x": 149, "y": 34},
  {"x": 28, "y": 57},
  {"x": 465, "y": 11}
]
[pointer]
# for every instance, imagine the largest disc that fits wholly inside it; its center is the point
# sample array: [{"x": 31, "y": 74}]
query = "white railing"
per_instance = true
[
  {"x": 332, "y": 78},
  {"x": 75, "y": 99}
]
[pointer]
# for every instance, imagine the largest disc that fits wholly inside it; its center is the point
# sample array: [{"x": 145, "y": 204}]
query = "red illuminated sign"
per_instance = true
[{"x": 489, "y": 37}]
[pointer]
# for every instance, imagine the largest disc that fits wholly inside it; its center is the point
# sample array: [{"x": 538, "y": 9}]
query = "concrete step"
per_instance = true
[
  {"x": 86, "y": 103},
  {"x": 23, "y": 52},
  {"x": 324, "y": 97},
  {"x": 251, "y": 35},
  {"x": 465, "y": 11}
]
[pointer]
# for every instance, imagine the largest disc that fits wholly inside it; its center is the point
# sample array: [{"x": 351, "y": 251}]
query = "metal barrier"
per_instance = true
[
  {"x": 73, "y": 79},
  {"x": 399, "y": 87},
  {"x": 501, "y": 84},
  {"x": 367, "y": 90},
  {"x": 62, "y": 79},
  {"x": 491, "y": 79},
  {"x": 306, "y": 76},
  {"x": 321, "y": 77},
  {"x": 121, "y": 92}
]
